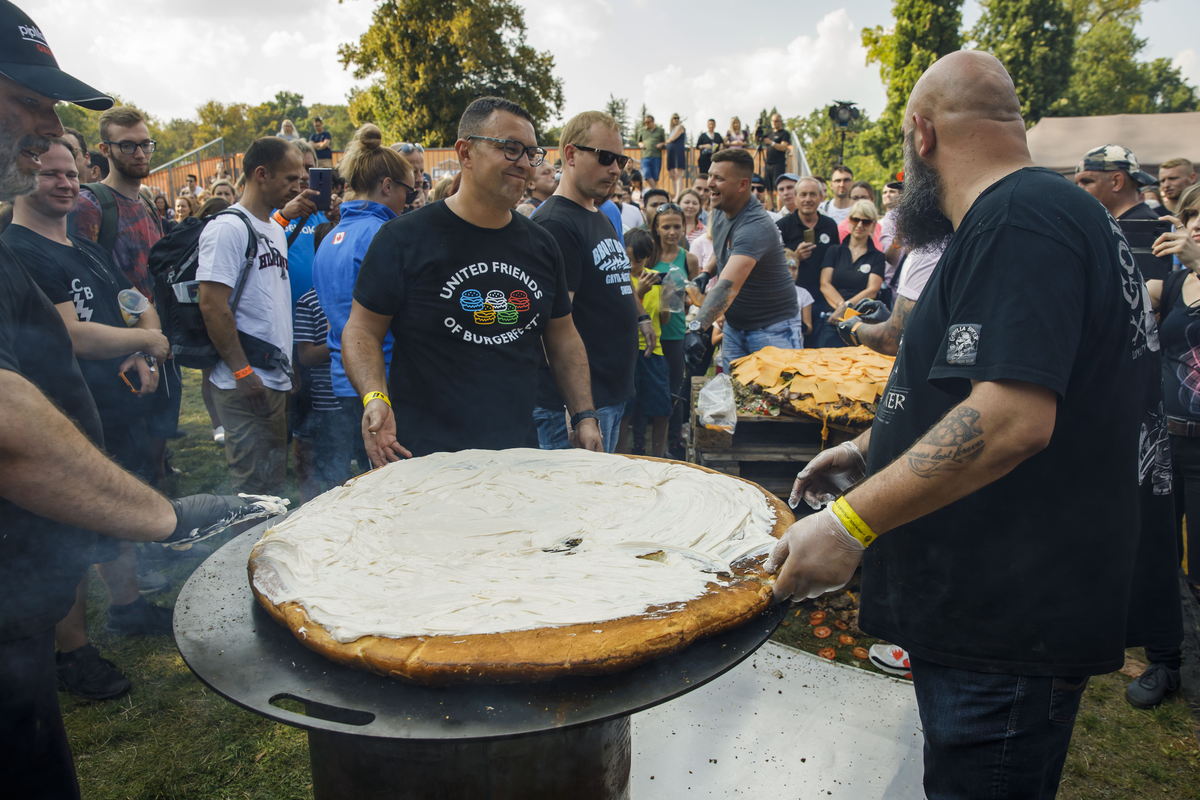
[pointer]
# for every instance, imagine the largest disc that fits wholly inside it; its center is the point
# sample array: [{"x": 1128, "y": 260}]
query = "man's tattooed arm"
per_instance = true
[
  {"x": 716, "y": 301},
  {"x": 884, "y": 337},
  {"x": 950, "y": 445}
]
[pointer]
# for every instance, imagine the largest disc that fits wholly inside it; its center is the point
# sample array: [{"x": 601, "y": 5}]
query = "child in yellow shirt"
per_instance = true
[{"x": 651, "y": 377}]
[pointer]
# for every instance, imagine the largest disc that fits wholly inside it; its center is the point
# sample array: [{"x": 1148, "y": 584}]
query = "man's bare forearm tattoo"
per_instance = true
[
  {"x": 950, "y": 445},
  {"x": 719, "y": 298},
  {"x": 884, "y": 337}
]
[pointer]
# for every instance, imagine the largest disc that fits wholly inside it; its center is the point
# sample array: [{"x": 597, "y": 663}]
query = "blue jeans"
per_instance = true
[
  {"x": 994, "y": 736},
  {"x": 651, "y": 167},
  {"x": 552, "y": 427},
  {"x": 788, "y": 334}
]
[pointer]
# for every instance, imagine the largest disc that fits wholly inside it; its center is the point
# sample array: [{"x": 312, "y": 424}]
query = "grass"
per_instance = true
[{"x": 174, "y": 739}]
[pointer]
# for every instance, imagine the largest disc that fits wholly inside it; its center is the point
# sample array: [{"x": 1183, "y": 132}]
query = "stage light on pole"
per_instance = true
[{"x": 844, "y": 114}]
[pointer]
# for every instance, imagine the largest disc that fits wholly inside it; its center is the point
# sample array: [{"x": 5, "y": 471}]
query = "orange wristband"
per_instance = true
[
  {"x": 281, "y": 219},
  {"x": 242, "y": 373}
]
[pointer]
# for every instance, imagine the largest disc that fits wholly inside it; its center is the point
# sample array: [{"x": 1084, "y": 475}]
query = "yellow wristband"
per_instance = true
[
  {"x": 376, "y": 396},
  {"x": 853, "y": 522}
]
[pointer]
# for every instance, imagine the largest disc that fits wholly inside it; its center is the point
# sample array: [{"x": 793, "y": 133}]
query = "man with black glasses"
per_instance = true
[
  {"x": 602, "y": 301},
  {"x": 471, "y": 292}
]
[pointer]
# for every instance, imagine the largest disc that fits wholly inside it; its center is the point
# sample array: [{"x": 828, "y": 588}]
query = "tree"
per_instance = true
[
  {"x": 821, "y": 140},
  {"x": 430, "y": 58},
  {"x": 1035, "y": 41},
  {"x": 925, "y": 31},
  {"x": 617, "y": 108}
]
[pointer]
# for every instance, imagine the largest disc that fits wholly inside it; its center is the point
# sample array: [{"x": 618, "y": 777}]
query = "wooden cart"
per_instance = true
[{"x": 766, "y": 450}]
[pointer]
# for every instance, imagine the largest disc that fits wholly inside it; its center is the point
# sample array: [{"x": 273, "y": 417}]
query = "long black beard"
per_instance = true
[{"x": 919, "y": 218}]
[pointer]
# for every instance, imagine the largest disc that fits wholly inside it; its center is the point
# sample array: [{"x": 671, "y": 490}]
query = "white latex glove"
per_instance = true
[
  {"x": 832, "y": 473},
  {"x": 815, "y": 556}
]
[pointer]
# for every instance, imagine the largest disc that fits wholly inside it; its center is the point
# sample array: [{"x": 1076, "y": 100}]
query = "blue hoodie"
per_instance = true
[{"x": 335, "y": 269}]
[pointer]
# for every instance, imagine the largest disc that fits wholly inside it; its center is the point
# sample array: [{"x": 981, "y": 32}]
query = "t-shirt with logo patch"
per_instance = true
[
  {"x": 603, "y": 309},
  {"x": 81, "y": 275},
  {"x": 1030, "y": 574},
  {"x": 468, "y": 307}
]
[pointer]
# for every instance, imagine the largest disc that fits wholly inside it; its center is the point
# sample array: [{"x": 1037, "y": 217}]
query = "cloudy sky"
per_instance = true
[{"x": 701, "y": 58}]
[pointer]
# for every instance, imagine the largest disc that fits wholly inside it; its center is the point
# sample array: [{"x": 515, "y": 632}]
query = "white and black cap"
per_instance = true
[{"x": 26, "y": 58}]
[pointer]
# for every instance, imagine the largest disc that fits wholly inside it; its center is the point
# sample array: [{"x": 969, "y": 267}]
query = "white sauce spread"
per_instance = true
[{"x": 489, "y": 541}]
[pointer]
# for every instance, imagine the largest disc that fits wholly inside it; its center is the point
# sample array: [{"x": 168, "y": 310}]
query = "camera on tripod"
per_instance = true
[{"x": 760, "y": 134}]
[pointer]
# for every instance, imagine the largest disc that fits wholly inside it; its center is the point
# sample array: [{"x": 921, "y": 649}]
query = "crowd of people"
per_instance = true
[{"x": 357, "y": 329}]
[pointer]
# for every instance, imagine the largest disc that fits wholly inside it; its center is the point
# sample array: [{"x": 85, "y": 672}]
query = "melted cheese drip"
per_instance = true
[{"x": 491, "y": 541}]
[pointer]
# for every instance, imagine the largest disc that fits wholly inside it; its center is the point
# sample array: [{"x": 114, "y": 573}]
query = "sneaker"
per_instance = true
[
  {"x": 1155, "y": 684},
  {"x": 891, "y": 659},
  {"x": 85, "y": 674},
  {"x": 139, "y": 618},
  {"x": 677, "y": 452},
  {"x": 151, "y": 580},
  {"x": 219, "y": 434},
  {"x": 179, "y": 433}
]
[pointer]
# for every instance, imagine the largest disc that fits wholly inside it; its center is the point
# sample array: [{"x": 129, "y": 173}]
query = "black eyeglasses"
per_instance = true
[
  {"x": 605, "y": 157},
  {"x": 129, "y": 148},
  {"x": 759, "y": 188},
  {"x": 513, "y": 150}
]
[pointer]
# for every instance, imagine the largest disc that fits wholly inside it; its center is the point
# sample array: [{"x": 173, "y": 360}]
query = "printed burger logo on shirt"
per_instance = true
[{"x": 490, "y": 303}]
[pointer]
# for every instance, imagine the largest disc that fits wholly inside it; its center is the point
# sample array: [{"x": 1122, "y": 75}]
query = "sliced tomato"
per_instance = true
[
  {"x": 822, "y": 632},
  {"x": 846, "y": 638},
  {"x": 842, "y": 626},
  {"x": 861, "y": 653},
  {"x": 827, "y": 652},
  {"x": 816, "y": 618}
]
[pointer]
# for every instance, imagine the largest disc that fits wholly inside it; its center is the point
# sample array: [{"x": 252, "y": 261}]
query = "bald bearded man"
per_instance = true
[{"x": 1014, "y": 404}]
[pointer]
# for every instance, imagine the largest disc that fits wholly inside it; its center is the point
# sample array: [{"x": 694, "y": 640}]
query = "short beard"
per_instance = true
[
  {"x": 13, "y": 182},
  {"x": 134, "y": 172},
  {"x": 919, "y": 219}
]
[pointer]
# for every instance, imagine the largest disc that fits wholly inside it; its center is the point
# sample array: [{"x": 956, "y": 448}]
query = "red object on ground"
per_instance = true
[
  {"x": 827, "y": 652},
  {"x": 816, "y": 618},
  {"x": 842, "y": 626},
  {"x": 822, "y": 632},
  {"x": 846, "y": 638},
  {"x": 861, "y": 653}
]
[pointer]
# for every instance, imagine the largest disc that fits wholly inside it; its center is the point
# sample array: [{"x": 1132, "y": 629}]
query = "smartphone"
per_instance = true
[
  {"x": 1141, "y": 235},
  {"x": 810, "y": 236},
  {"x": 321, "y": 179}
]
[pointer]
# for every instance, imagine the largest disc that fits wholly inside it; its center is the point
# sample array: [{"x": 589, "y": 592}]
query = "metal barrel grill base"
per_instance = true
[
  {"x": 590, "y": 762},
  {"x": 376, "y": 737}
]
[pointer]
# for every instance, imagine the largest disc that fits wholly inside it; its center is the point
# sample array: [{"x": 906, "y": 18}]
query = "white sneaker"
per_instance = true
[
  {"x": 219, "y": 434},
  {"x": 891, "y": 659}
]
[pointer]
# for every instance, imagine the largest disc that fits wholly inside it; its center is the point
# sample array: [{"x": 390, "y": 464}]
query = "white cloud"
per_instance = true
[
  {"x": 568, "y": 27},
  {"x": 1188, "y": 63},
  {"x": 809, "y": 72}
]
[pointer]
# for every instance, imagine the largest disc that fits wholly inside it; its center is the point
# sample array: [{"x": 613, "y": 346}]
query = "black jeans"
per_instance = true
[
  {"x": 1185, "y": 462},
  {"x": 35, "y": 758}
]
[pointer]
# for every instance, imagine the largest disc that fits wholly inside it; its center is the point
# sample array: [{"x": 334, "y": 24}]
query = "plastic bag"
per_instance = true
[
  {"x": 716, "y": 409},
  {"x": 674, "y": 290}
]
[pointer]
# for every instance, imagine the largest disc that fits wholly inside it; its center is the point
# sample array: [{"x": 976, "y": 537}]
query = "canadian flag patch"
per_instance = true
[{"x": 337, "y": 237}]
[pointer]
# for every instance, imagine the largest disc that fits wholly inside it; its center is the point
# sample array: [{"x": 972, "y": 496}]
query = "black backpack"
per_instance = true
[{"x": 173, "y": 263}]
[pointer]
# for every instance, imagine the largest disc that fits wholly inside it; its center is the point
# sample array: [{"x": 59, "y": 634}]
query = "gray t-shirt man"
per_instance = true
[{"x": 767, "y": 296}]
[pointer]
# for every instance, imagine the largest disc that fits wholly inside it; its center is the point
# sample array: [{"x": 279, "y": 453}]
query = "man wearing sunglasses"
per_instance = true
[
  {"x": 471, "y": 292},
  {"x": 602, "y": 302}
]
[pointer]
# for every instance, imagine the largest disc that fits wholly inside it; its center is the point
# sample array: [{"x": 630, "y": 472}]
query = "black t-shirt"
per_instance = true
[
  {"x": 41, "y": 561},
  {"x": 775, "y": 157},
  {"x": 468, "y": 307},
  {"x": 603, "y": 308},
  {"x": 1180, "y": 341},
  {"x": 1152, "y": 267},
  {"x": 850, "y": 276},
  {"x": 1030, "y": 574},
  {"x": 324, "y": 136},
  {"x": 85, "y": 276},
  {"x": 705, "y": 159},
  {"x": 808, "y": 272}
]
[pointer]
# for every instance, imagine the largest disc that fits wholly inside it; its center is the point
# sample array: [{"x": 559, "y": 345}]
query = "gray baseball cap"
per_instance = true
[{"x": 1114, "y": 157}]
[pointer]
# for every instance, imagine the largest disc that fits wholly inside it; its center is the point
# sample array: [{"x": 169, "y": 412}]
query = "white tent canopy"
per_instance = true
[{"x": 1060, "y": 142}]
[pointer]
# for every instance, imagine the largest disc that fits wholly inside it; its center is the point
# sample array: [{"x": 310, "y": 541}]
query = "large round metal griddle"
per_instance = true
[{"x": 235, "y": 648}]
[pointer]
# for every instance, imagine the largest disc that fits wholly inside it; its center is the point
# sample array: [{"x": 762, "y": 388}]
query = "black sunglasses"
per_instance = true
[
  {"x": 759, "y": 188},
  {"x": 860, "y": 221},
  {"x": 412, "y": 193},
  {"x": 605, "y": 157},
  {"x": 670, "y": 207},
  {"x": 513, "y": 150}
]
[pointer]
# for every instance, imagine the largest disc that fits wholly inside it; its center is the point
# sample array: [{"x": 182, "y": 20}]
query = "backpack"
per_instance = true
[
  {"x": 110, "y": 215},
  {"x": 173, "y": 263}
]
